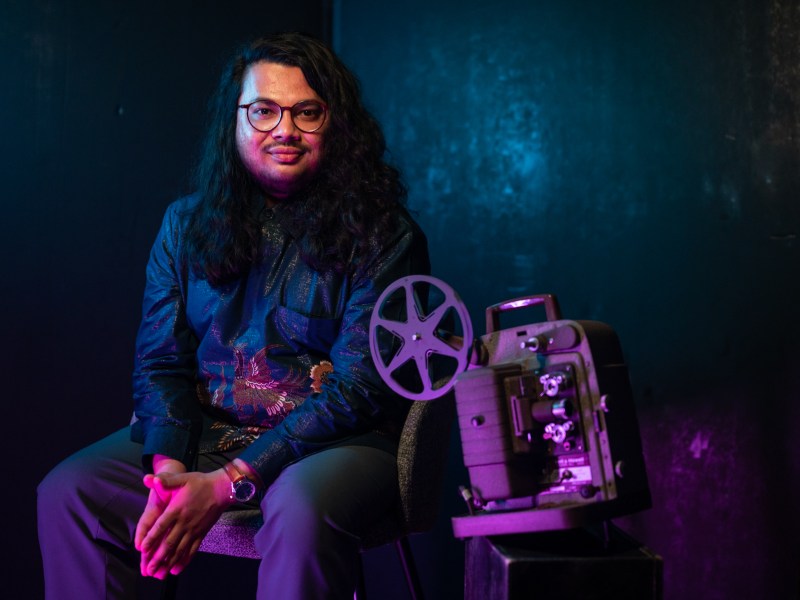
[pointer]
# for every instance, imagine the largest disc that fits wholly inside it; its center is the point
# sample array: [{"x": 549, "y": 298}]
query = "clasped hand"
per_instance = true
[{"x": 181, "y": 509}]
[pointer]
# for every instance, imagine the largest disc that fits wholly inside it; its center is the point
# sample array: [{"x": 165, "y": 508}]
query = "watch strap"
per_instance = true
[{"x": 235, "y": 474}]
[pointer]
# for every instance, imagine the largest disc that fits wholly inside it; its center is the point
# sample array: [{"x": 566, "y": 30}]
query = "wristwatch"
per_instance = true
[{"x": 242, "y": 488}]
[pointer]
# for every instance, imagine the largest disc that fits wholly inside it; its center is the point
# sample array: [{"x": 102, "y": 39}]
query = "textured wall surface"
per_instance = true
[{"x": 642, "y": 162}]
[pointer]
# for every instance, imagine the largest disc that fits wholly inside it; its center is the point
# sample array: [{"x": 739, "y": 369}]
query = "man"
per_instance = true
[{"x": 253, "y": 379}]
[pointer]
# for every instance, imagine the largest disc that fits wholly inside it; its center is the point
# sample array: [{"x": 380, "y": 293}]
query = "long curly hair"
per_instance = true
[{"x": 345, "y": 212}]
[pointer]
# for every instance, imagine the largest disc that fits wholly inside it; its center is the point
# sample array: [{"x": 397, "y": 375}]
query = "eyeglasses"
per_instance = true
[{"x": 307, "y": 115}]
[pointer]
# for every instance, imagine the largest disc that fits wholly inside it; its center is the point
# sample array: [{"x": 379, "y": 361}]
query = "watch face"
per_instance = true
[{"x": 244, "y": 490}]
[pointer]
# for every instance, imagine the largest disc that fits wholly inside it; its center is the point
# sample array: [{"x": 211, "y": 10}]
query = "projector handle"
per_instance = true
[{"x": 551, "y": 308}]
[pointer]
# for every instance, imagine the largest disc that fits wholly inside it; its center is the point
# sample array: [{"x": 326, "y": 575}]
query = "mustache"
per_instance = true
[{"x": 289, "y": 144}]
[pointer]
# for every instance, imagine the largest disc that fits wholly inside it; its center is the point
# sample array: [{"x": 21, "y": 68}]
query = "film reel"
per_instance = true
[{"x": 420, "y": 336}]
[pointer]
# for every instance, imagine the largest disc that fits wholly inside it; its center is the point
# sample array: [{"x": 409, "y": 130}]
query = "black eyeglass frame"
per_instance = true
[{"x": 291, "y": 114}]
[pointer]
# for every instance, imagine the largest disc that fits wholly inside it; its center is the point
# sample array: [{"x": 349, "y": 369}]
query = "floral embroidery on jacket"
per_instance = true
[
  {"x": 258, "y": 398},
  {"x": 255, "y": 390},
  {"x": 319, "y": 375},
  {"x": 234, "y": 437}
]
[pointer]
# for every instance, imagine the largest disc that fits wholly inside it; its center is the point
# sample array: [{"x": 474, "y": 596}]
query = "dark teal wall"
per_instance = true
[{"x": 641, "y": 161}]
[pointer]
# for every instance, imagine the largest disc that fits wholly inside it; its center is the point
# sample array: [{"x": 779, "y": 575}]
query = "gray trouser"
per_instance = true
[{"x": 88, "y": 507}]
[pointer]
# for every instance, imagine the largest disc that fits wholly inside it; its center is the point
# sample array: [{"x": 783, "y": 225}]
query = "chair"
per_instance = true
[{"x": 421, "y": 458}]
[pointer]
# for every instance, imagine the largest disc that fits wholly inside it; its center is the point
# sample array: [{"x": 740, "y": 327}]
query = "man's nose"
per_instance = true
[{"x": 285, "y": 127}]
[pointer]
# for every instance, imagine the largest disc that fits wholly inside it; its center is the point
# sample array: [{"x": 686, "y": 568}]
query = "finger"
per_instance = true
[
  {"x": 169, "y": 481},
  {"x": 156, "y": 562},
  {"x": 158, "y": 569},
  {"x": 141, "y": 531},
  {"x": 147, "y": 553},
  {"x": 161, "y": 573},
  {"x": 145, "y": 559},
  {"x": 157, "y": 490},
  {"x": 181, "y": 554},
  {"x": 168, "y": 549},
  {"x": 186, "y": 559},
  {"x": 151, "y": 513},
  {"x": 161, "y": 488},
  {"x": 165, "y": 555},
  {"x": 158, "y": 530}
]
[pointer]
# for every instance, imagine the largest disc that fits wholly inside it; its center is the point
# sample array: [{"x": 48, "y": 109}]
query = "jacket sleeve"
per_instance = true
[
  {"x": 168, "y": 419},
  {"x": 353, "y": 400}
]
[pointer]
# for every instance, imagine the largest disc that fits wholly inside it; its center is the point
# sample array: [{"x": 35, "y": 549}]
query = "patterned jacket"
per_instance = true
[{"x": 277, "y": 361}]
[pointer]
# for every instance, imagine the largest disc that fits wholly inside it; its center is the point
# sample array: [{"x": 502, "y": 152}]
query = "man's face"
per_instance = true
[{"x": 281, "y": 160}]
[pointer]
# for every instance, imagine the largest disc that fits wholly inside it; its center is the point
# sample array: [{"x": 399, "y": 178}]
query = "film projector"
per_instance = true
[{"x": 548, "y": 426}]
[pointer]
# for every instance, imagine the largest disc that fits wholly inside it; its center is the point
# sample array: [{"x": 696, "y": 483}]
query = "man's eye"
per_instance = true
[
  {"x": 309, "y": 113},
  {"x": 262, "y": 112}
]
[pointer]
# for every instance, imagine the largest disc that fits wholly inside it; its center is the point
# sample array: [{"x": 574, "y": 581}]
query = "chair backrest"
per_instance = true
[{"x": 422, "y": 459}]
